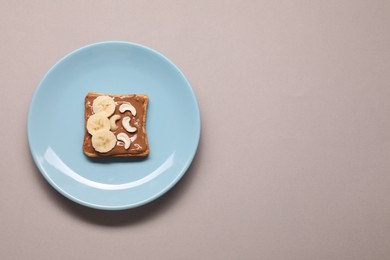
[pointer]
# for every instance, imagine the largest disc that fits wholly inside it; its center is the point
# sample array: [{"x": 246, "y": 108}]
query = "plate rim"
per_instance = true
[{"x": 125, "y": 206}]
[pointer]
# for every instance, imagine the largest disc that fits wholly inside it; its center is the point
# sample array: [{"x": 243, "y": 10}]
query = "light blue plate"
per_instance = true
[{"x": 56, "y": 125}]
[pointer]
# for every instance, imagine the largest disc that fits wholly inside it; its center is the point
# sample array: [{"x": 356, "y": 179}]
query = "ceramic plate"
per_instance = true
[{"x": 56, "y": 125}]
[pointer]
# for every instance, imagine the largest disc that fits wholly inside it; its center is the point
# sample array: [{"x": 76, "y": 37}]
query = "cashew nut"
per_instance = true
[
  {"x": 133, "y": 138},
  {"x": 125, "y": 139},
  {"x": 113, "y": 120},
  {"x": 129, "y": 107},
  {"x": 127, "y": 126}
]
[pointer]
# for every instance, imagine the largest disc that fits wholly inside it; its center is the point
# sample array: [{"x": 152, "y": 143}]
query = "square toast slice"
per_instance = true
[{"x": 115, "y": 125}]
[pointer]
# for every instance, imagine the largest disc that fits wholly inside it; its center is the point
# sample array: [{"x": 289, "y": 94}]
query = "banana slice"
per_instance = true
[
  {"x": 97, "y": 122},
  {"x": 103, "y": 141},
  {"x": 103, "y": 104}
]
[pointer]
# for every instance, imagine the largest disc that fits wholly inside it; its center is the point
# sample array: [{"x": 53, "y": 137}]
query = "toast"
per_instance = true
[{"x": 115, "y": 125}]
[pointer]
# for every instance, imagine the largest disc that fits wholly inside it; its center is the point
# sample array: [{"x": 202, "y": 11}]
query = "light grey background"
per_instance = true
[{"x": 294, "y": 160}]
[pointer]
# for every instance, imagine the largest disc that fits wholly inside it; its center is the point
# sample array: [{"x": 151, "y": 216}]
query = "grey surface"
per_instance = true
[{"x": 294, "y": 155}]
